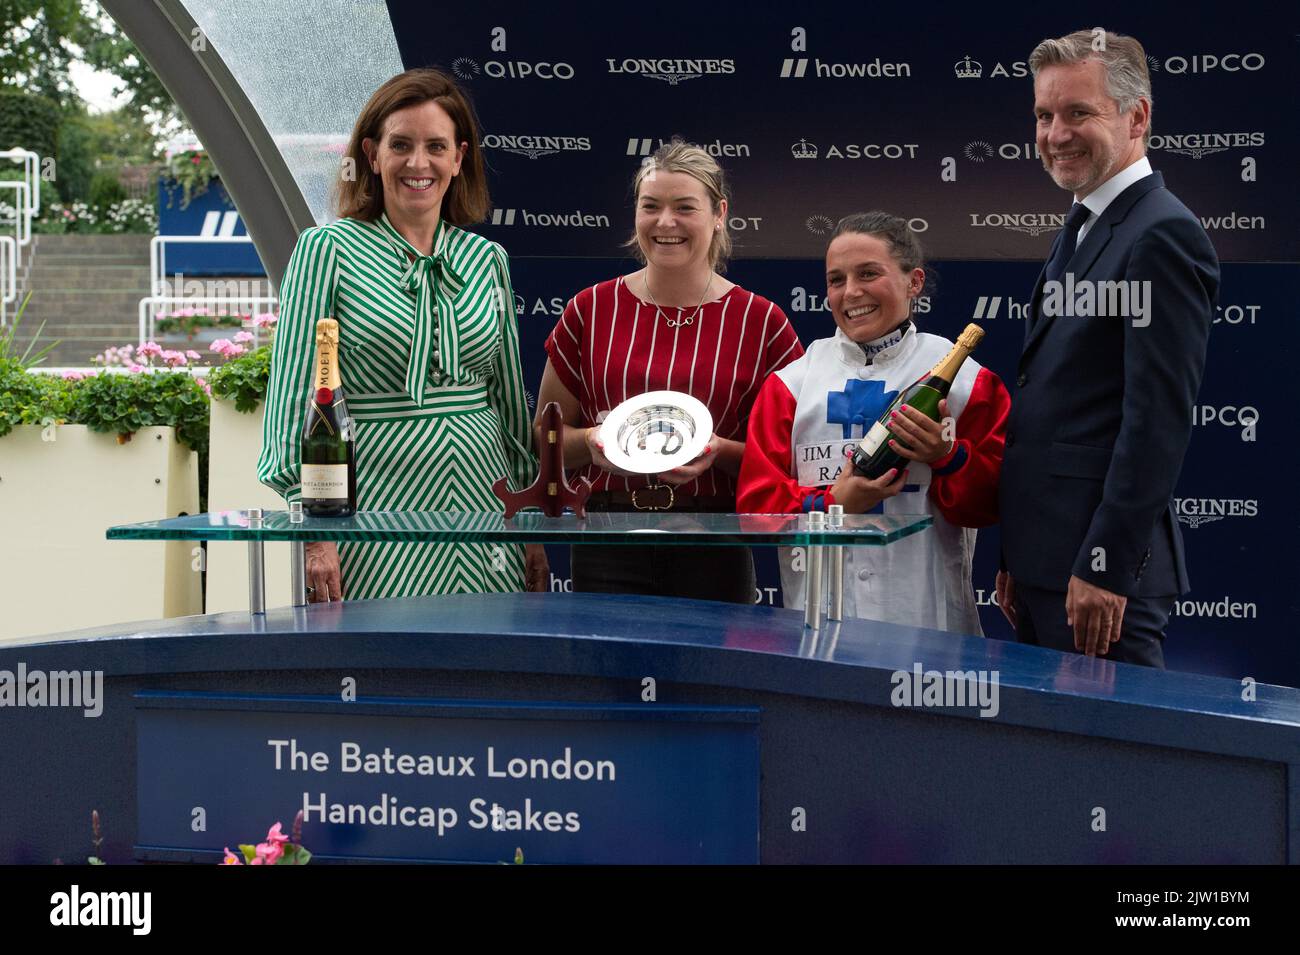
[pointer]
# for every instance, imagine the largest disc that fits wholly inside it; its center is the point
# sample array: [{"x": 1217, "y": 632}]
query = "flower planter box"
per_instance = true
[
  {"x": 235, "y": 441},
  {"x": 60, "y": 489}
]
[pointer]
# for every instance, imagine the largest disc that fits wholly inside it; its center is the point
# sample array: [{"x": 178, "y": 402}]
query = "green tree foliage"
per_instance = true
[{"x": 37, "y": 39}]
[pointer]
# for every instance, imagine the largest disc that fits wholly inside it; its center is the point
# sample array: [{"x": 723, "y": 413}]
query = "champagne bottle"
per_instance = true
[
  {"x": 329, "y": 466},
  {"x": 873, "y": 456}
]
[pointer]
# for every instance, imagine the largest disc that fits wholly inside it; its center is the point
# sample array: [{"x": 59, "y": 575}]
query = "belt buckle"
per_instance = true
[{"x": 654, "y": 506}]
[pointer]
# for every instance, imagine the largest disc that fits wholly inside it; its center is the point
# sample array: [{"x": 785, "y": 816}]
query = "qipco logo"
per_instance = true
[
  {"x": 523, "y": 70},
  {"x": 1244, "y": 417},
  {"x": 1209, "y": 62}
]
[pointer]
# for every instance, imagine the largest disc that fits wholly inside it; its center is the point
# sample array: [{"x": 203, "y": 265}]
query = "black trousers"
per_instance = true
[
  {"x": 701, "y": 573},
  {"x": 1040, "y": 620}
]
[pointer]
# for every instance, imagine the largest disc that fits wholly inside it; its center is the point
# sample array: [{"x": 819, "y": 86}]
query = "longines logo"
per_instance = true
[
  {"x": 1197, "y": 145},
  {"x": 671, "y": 70},
  {"x": 717, "y": 149},
  {"x": 536, "y": 146},
  {"x": 806, "y": 150},
  {"x": 968, "y": 69},
  {"x": 467, "y": 69},
  {"x": 1195, "y": 511},
  {"x": 574, "y": 219},
  {"x": 797, "y": 68},
  {"x": 819, "y": 224},
  {"x": 1035, "y": 223},
  {"x": 980, "y": 151}
]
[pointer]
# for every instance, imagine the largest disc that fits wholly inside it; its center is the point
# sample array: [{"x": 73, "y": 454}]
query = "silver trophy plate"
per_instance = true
[{"x": 656, "y": 432}]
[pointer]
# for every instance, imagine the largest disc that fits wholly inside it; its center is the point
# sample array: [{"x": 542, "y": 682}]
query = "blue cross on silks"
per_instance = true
[{"x": 858, "y": 405}]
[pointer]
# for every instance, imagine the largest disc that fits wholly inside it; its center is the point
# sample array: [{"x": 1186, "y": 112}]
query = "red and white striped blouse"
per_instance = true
[{"x": 609, "y": 346}]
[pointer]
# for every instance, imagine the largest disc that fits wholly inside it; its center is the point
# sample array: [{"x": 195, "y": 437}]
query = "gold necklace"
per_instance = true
[{"x": 675, "y": 322}]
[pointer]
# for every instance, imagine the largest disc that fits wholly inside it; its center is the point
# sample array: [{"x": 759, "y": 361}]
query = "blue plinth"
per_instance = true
[{"x": 861, "y": 749}]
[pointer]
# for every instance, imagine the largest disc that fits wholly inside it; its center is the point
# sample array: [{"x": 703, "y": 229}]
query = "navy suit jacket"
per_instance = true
[{"x": 1102, "y": 411}]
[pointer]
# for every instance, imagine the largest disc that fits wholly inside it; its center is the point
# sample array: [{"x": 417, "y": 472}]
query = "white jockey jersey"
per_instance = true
[{"x": 810, "y": 412}]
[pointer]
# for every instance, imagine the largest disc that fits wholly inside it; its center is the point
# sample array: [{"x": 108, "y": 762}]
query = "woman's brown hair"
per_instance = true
[{"x": 361, "y": 196}]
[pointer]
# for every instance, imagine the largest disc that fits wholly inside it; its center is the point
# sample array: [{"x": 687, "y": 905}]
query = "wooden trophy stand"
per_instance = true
[{"x": 550, "y": 492}]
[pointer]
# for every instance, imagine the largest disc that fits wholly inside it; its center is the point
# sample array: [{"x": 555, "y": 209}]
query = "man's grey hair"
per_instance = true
[{"x": 1122, "y": 57}]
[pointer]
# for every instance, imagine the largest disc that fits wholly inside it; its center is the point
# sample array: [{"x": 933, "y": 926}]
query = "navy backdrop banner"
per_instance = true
[{"x": 819, "y": 110}]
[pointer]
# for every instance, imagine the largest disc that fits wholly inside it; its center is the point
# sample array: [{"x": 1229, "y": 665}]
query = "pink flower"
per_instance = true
[
  {"x": 265, "y": 320},
  {"x": 73, "y": 376},
  {"x": 242, "y": 336},
  {"x": 275, "y": 835},
  {"x": 192, "y": 355},
  {"x": 222, "y": 346},
  {"x": 126, "y": 349},
  {"x": 203, "y": 383},
  {"x": 196, "y": 160},
  {"x": 174, "y": 358},
  {"x": 234, "y": 350},
  {"x": 231, "y": 858},
  {"x": 133, "y": 367},
  {"x": 149, "y": 350}
]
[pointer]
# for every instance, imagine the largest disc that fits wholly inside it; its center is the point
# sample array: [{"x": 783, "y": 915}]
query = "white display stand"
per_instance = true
[{"x": 61, "y": 488}]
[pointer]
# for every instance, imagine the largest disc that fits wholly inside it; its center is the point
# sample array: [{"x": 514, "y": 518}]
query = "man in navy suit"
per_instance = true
[{"x": 1114, "y": 352}]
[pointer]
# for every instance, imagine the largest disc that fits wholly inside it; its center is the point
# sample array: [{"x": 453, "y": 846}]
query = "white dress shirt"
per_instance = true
[{"x": 1109, "y": 191}]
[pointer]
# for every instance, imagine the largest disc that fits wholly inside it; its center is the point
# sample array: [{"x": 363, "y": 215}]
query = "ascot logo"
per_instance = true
[
  {"x": 717, "y": 149},
  {"x": 1236, "y": 314},
  {"x": 968, "y": 69},
  {"x": 806, "y": 150},
  {"x": 672, "y": 71},
  {"x": 1034, "y": 223},
  {"x": 797, "y": 68},
  {"x": 1195, "y": 511},
  {"x": 520, "y": 304},
  {"x": 536, "y": 146},
  {"x": 1197, "y": 145},
  {"x": 575, "y": 219},
  {"x": 978, "y": 151}
]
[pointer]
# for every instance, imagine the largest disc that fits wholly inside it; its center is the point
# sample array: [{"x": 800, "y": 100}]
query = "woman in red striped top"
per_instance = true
[{"x": 675, "y": 324}]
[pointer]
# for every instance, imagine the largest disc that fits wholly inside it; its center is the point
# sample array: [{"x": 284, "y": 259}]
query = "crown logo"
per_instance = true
[
  {"x": 968, "y": 69},
  {"x": 803, "y": 150}
]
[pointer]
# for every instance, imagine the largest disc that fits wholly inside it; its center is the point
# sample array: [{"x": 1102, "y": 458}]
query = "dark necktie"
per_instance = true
[{"x": 1069, "y": 239}]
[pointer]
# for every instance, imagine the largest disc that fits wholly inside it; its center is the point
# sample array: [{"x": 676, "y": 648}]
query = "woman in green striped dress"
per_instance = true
[{"x": 428, "y": 349}]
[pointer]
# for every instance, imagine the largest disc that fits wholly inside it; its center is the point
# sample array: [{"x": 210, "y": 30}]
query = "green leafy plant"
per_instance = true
[
  {"x": 192, "y": 170},
  {"x": 123, "y": 404},
  {"x": 27, "y": 398},
  {"x": 243, "y": 379}
]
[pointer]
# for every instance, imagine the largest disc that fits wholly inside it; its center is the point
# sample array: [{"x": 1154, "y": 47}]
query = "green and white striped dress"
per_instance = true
[{"x": 429, "y": 356}]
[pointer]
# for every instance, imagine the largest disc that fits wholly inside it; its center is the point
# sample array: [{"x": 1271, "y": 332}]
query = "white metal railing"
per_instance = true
[
  {"x": 8, "y": 276},
  {"x": 158, "y": 289},
  {"x": 149, "y": 310},
  {"x": 31, "y": 176}
]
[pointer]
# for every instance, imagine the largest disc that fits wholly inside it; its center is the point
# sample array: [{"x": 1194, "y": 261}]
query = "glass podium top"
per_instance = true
[{"x": 531, "y": 527}]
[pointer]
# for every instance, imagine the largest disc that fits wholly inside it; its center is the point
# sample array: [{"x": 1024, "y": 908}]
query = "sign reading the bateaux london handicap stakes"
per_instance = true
[{"x": 450, "y": 781}]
